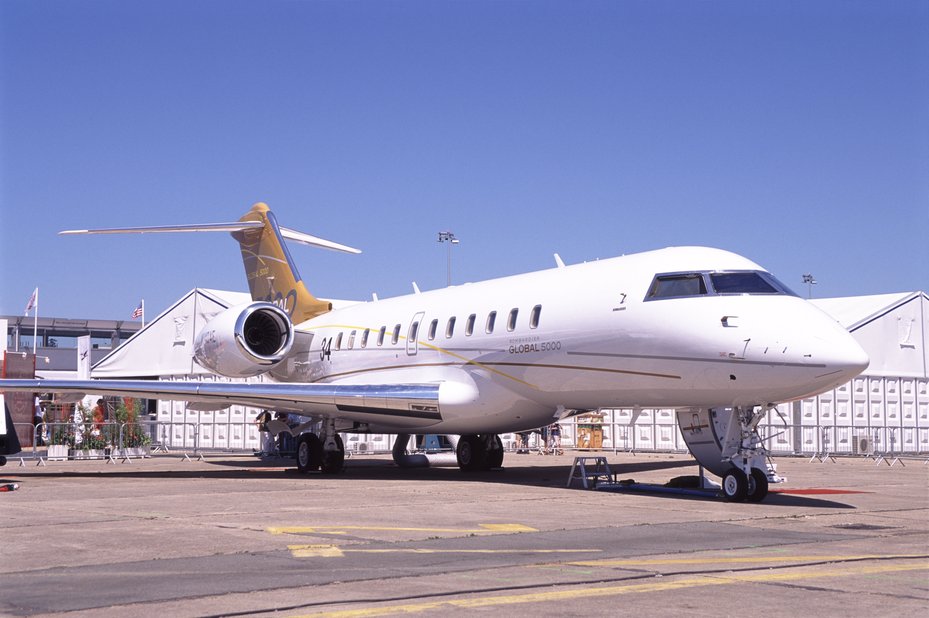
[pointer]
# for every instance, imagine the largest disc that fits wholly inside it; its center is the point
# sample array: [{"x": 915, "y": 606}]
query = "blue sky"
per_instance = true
[{"x": 794, "y": 133}]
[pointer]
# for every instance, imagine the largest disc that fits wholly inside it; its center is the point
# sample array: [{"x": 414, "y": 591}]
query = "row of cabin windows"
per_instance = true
[{"x": 489, "y": 324}]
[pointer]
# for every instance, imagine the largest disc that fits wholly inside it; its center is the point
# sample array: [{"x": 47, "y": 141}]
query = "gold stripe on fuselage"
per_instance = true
[{"x": 489, "y": 366}]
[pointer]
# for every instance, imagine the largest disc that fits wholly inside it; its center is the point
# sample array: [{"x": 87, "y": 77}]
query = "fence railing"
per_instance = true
[{"x": 189, "y": 438}]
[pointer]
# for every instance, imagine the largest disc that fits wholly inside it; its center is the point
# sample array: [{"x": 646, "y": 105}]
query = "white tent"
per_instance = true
[
  {"x": 164, "y": 348},
  {"x": 892, "y": 328}
]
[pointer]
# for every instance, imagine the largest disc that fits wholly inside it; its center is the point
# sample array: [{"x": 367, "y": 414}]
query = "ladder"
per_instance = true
[{"x": 590, "y": 470}]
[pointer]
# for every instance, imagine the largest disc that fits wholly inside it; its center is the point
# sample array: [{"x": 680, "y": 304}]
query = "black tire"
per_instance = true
[
  {"x": 309, "y": 453},
  {"x": 735, "y": 485},
  {"x": 471, "y": 454},
  {"x": 333, "y": 462},
  {"x": 2, "y": 461},
  {"x": 495, "y": 455},
  {"x": 757, "y": 486}
]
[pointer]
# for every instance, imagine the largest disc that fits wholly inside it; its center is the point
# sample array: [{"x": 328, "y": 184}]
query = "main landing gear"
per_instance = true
[
  {"x": 480, "y": 452},
  {"x": 326, "y": 453}
]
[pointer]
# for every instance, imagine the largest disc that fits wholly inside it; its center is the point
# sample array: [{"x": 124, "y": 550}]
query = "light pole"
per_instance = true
[
  {"x": 810, "y": 282},
  {"x": 448, "y": 237}
]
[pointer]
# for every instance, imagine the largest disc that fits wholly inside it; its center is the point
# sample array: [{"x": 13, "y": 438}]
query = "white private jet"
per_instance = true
[{"x": 701, "y": 330}]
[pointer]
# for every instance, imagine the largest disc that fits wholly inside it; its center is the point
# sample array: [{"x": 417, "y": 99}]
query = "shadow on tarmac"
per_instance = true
[{"x": 554, "y": 475}]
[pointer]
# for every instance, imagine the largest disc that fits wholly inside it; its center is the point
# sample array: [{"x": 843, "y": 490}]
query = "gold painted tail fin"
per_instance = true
[{"x": 271, "y": 273}]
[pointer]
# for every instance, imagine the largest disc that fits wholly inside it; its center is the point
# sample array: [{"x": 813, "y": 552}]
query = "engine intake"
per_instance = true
[{"x": 245, "y": 341}]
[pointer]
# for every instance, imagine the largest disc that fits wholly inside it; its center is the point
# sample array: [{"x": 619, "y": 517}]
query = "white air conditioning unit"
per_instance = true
[{"x": 862, "y": 445}]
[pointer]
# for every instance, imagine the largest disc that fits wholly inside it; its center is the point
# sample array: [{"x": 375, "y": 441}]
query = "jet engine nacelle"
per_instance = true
[{"x": 245, "y": 341}]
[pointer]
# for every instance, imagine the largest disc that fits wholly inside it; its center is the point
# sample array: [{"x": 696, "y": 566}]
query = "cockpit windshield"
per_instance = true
[
  {"x": 681, "y": 285},
  {"x": 675, "y": 286}
]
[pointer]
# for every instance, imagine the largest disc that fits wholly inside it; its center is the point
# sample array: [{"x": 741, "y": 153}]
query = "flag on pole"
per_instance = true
[
  {"x": 139, "y": 311},
  {"x": 32, "y": 301}
]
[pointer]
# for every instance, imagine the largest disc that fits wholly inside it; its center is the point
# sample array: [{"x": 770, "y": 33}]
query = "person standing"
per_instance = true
[
  {"x": 38, "y": 420},
  {"x": 555, "y": 433},
  {"x": 522, "y": 442}
]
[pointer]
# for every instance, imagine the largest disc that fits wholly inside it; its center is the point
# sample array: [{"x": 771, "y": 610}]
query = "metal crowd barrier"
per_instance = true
[{"x": 186, "y": 439}]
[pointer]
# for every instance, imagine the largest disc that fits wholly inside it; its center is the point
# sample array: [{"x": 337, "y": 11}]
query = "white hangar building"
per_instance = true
[{"x": 886, "y": 409}]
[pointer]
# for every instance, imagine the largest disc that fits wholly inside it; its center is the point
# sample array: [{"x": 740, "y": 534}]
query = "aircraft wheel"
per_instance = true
[
  {"x": 2, "y": 461},
  {"x": 334, "y": 461},
  {"x": 757, "y": 486},
  {"x": 471, "y": 453},
  {"x": 495, "y": 454},
  {"x": 735, "y": 485},
  {"x": 309, "y": 453}
]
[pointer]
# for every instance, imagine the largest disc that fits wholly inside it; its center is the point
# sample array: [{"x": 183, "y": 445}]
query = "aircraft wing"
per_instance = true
[{"x": 401, "y": 405}]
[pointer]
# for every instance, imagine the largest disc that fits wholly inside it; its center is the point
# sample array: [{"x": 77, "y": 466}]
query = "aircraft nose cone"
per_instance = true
[
  {"x": 851, "y": 358},
  {"x": 843, "y": 356}
]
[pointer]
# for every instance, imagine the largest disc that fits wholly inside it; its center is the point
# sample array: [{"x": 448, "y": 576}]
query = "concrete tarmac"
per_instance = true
[{"x": 240, "y": 536}]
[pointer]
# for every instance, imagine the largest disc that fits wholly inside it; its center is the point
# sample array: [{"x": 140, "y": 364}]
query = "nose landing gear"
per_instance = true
[{"x": 726, "y": 442}]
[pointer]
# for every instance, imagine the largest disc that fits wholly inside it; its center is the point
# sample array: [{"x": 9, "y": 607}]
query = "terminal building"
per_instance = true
[
  {"x": 56, "y": 340},
  {"x": 884, "y": 410}
]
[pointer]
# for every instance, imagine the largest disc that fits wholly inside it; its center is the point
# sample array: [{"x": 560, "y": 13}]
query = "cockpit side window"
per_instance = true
[
  {"x": 677, "y": 285},
  {"x": 741, "y": 283},
  {"x": 748, "y": 282}
]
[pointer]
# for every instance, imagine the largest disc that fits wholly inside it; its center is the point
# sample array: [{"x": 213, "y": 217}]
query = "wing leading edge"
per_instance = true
[{"x": 390, "y": 404}]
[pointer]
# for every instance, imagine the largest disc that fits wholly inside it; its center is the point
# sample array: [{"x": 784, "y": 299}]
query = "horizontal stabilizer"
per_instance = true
[
  {"x": 315, "y": 241},
  {"x": 235, "y": 226}
]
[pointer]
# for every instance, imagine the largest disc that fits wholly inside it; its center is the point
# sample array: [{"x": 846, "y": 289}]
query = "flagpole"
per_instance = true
[
  {"x": 143, "y": 313},
  {"x": 35, "y": 323}
]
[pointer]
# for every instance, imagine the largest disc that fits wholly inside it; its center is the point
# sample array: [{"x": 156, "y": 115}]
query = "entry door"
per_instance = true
[{"x": 412, "y": 335}]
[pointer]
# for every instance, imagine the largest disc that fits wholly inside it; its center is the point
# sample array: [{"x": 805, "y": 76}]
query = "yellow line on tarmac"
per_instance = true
[
  {"x": 730, "y": 560},
  {"x": 484, "y": 528},
  {"x": 606, "y": 591},
  {"x": 333, "y": 551}
]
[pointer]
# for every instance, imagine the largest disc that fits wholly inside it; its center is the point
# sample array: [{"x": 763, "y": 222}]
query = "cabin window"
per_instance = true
[
  {"x": 395, "y": 337},
  {"x": 469, "y": 325},
  {"x": 380, "y": 335},
  {"x": 450, "y": 328},
  {"x": 511, "y": 321},
  {"x": 677, "y": 286},
  {"x": 433, "y": 327},
  {"x": 351, "y": 340},
  {"x": 534, "y": 316},
  {"x": 338, "y": 341},
  {"x": 364, "y": 337},
  {"x": 489, "y": 326},
  {"x": 414, "y": 331}
]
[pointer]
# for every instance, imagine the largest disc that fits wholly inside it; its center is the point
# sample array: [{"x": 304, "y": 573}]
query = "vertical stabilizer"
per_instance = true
[{"x": 271, "y": 272}]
